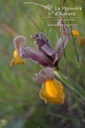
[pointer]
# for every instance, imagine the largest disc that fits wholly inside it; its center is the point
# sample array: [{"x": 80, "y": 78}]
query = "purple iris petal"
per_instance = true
[
  {"x": 34, "y": 55},
  {"x": 41, "y": 39},
  {"x": 61, "y": 44},
  {"x": 50, "y": 53},
  {"x": 19, "y": 41},
  {"x": 44, "y": 46},
  {"x": 41, "y": 42},
  {"x": 45, "y": 74},
  {"x": 47, "y": 50}
]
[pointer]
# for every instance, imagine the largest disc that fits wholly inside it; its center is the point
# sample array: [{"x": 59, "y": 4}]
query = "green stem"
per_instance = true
[{"x": 73, "y": 38}]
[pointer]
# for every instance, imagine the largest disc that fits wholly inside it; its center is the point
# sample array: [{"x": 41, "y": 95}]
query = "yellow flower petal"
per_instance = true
[
  {"x": 81, "y": 40},
  {"x": 75, "y": 33},
  {"x": 16, "y": 60},
  {"x": 15, "y": 53},
  {"x": 52, "y": 91}
]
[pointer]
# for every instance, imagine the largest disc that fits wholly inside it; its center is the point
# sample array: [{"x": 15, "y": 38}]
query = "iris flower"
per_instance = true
[{"x": 52, "y": 90}]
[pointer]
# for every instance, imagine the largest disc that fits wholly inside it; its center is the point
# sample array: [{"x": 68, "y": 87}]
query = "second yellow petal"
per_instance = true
[
  {"x": 52, "y": 91},
  {"x": 16, "y": 60}
]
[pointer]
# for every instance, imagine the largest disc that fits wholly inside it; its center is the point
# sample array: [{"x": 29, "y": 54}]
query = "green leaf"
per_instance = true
[{"x": 71, "y": 84}]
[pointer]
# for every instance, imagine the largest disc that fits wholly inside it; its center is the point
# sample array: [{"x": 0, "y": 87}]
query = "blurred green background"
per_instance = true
[{"x": 20, "y": 104}]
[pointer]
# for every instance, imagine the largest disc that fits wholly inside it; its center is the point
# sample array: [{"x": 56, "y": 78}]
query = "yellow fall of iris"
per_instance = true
[
  {"x": 52, "y": 91},
  {"x": 16, "y": 60},
  {"x": 81, "y": 40}
]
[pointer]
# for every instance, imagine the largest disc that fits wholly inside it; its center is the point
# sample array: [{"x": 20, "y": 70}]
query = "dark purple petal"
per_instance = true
[
  {"x": 44, "y": 47},
  {"x": 47, "y": 50},
  {"x": 50, "y": 53},
  {"x": 45, "y": 74},
  {"x": 41, "y": 39},
  {"x": 34, "y": 55},
  {"x": 19, "y": 41}
]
